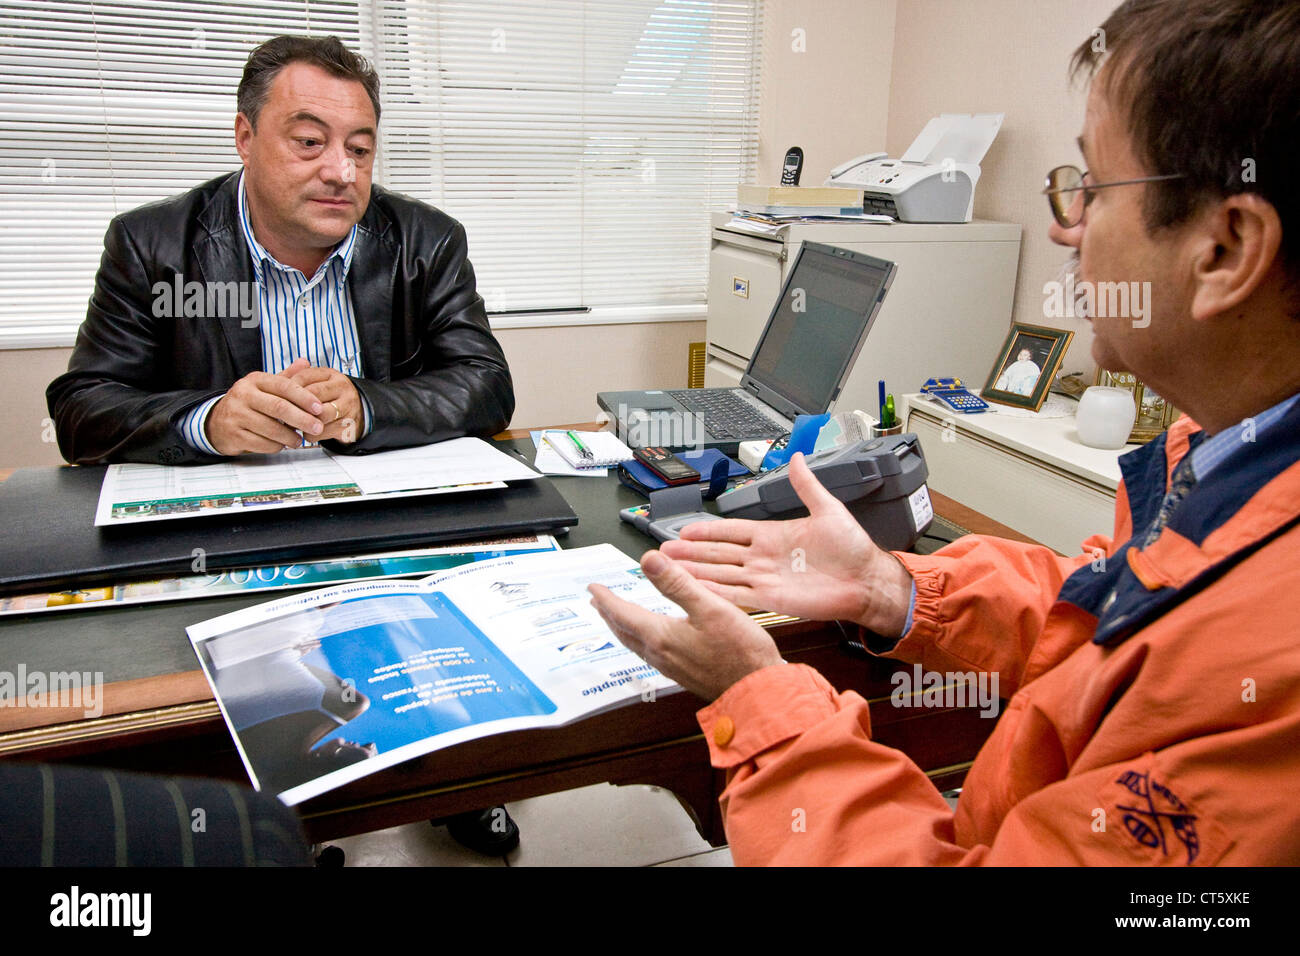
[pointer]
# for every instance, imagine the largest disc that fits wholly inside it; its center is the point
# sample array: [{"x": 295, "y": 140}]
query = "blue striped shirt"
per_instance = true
[
  {"x": 299, "y": 318},
  {"x": 1215, "y": 450}
]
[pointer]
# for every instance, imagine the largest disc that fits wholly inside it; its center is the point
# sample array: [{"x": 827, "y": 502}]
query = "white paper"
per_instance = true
[
  {"x": 603, "y": 449},
  {"x": 292, "y": 468},
  {"x": 300, "y": 477},
  {"x": 459, "y": 461},
  {"x": 138, "y": 492},
  {"x": 550, "y": 462},
  {"x": 958, "y": 137},
  {"x": 922, "y": 509}
]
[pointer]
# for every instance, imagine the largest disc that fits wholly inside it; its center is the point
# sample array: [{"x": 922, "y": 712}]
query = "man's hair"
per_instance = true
[
  {"x": 328, "y": 53},
  {"x": 1211, "y": 89}
]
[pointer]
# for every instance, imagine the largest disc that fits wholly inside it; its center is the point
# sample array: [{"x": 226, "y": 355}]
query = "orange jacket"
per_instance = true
[{"x": 1177, "y": 741}]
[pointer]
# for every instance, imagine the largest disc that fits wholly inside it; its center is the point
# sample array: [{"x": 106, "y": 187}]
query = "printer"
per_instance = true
[{"x": 935, "y": 179}]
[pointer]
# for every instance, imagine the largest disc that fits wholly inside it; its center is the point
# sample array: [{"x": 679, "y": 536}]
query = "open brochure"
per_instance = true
[
  {"x": 294, "y": 478},
  {"x": 324, "y": 688}
]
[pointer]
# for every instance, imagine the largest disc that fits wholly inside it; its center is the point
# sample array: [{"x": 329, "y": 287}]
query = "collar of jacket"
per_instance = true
[
  {"x": 222, "y": 255},
  {"x": 1236, "y": 510}
]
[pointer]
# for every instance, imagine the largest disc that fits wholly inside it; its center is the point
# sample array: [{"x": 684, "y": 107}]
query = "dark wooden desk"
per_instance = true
[{"x": 159, "y": 714}]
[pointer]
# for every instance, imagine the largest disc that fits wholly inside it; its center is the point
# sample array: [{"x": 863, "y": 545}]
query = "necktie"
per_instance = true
[{"x": 1183, "y": 480}]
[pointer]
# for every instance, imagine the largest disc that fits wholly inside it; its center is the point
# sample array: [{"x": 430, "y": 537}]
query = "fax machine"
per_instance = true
[{"x": 935, "y": 179}]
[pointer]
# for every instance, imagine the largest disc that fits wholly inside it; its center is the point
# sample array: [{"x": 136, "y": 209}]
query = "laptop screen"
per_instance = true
[{"x": 818, "y": 325}]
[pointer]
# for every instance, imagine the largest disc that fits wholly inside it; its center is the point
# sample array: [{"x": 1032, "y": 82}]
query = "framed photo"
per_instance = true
[{"x": 1026, "y": 366}]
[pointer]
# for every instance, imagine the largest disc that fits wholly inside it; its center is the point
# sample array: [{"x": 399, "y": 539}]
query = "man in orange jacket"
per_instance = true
[{"x": 1156, "y": 677}]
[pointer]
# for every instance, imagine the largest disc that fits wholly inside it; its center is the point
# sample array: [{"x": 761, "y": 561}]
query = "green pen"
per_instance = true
[
  {"x": 889, "y": 416},
  {"x": 586, "y": 453}
]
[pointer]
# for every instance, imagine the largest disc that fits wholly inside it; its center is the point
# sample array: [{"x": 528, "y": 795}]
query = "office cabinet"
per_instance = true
[
  {"x": 947, "y": 313},
  {"x": 1031, "y": 473}
]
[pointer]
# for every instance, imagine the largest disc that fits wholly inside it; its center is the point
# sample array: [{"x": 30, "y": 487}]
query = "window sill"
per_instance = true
[
  {"x": 64, "y": 336},
  {"x": 602, "y": 315},
  {"x": 35, "y": 337}
]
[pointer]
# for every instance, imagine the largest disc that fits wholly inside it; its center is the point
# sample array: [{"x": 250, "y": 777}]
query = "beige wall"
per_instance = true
[
  {"x": 1007, "y": 56},
  {"x": 870, "y": 74},
  {"x": 558, "y": 371},
  {"x": 27, "y": 439},
  {"x": 830, "y": 98}
]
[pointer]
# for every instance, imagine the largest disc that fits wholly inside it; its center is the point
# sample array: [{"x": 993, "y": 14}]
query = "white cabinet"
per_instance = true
[
  {"x": 1030, "y": 473},
  {"x": 947, "y": 312}
]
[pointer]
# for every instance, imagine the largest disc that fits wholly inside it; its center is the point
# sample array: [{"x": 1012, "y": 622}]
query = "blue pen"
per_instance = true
[{"x": 882, "y": 401}]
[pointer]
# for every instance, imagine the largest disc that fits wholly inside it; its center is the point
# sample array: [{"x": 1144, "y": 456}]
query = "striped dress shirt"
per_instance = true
[
  {"x": 299, "y": 318},
  {"x": 1217, "y": 449}
]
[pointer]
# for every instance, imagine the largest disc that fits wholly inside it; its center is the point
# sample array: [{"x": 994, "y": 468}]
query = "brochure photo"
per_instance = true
[{"x": 323, "y": 688}]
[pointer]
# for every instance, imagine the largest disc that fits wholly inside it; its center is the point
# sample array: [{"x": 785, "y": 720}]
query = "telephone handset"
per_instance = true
[{"x": 844, "y": 169}]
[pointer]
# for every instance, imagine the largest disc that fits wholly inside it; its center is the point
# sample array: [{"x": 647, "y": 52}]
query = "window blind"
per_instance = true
[{"x": 581, "y": 142}]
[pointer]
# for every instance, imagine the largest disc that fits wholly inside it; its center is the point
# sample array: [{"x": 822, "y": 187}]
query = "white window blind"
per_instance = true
[
  {"x": 104, "y": 107},
  {"x": 582, "y": 143}
]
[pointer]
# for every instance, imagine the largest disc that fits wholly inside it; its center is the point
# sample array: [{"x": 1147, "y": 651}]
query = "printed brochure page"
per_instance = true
[
  {"x": 324, "y": 688},
  {"x": 294, "y": 478}
]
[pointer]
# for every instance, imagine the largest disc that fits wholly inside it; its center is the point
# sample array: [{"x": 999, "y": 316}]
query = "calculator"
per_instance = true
[{"x": 959, "y": 400}]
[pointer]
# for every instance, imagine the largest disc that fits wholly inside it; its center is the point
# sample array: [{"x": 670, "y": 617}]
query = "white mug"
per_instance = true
[{"x": 1105, "y": 417}]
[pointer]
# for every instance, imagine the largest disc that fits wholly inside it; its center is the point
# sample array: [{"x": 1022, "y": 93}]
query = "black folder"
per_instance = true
[{"x": 49, "y": 540}]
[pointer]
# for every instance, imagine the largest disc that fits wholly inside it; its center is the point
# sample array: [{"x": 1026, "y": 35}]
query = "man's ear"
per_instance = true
[
  {"x": 1236, "y": 248},
  {"x": 243, "y": 135}
]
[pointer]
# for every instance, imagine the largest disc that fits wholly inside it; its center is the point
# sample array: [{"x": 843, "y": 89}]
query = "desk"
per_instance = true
[{"x": 159, "y": 714}]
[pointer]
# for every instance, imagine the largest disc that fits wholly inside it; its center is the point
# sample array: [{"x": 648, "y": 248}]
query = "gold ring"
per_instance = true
[{"x": 337, "y": 414}]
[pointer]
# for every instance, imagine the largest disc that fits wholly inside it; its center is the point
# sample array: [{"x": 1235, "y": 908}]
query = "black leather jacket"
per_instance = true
[{"x": 433, "y": 369}]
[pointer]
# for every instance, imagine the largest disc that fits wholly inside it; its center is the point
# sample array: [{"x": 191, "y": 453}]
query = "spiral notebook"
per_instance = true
[{"x": 603, "y": 448}]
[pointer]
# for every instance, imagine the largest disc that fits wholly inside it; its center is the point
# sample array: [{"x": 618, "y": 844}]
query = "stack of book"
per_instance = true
[{"x": 782, "y": 204}]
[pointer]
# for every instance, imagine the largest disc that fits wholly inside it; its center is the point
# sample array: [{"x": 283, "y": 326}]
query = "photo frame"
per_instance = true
[
  {"x": 1023, "y": 380},
  {"x": 1154, "y": 414}
]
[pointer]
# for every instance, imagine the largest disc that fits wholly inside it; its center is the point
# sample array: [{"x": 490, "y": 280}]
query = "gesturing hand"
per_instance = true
[
  {"x": 260, "y": 412},
  {"x": 342, "y": 412},
  {"x": 713, "y": 647},
  {"x": 823, "y": 567}
]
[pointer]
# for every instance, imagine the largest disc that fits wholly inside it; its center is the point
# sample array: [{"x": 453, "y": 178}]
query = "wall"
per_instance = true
[
  {"x": 558, "y": 371},
  {"x": 1008, "y": 56},
  {"x": 24, "y": 373},
  {"x": 825, "y": 87}
]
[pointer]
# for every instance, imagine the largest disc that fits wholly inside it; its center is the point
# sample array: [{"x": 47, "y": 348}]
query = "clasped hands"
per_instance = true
[
  {"x": 268, "y": 412},
  {"x": 823, "y": 567}
]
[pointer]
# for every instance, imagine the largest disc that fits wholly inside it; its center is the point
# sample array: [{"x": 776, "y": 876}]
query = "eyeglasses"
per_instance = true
[{"x": 1064, "y": 181}]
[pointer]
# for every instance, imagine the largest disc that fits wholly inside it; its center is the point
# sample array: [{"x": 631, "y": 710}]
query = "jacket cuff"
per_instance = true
[
  {"x": 926, "y": 622},
  {"x": 764, "y": 709}
]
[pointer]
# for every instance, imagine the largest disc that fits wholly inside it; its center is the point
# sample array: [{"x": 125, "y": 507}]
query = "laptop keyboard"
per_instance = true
[{"x": 726, "y": 415}]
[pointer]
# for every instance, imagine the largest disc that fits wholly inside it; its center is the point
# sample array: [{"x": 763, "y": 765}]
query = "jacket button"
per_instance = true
[
  {"x": 171, "y": 455},
  {"x": 723, "y": 731}
]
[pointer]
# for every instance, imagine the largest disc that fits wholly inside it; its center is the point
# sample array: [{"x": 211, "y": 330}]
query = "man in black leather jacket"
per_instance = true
[
  {"x": 430, "y": 368},
  {"x": 373, "y": 337}
]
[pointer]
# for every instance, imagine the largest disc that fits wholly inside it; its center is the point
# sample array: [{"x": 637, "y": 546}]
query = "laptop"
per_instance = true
[{"x": 821, "y": 318}]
